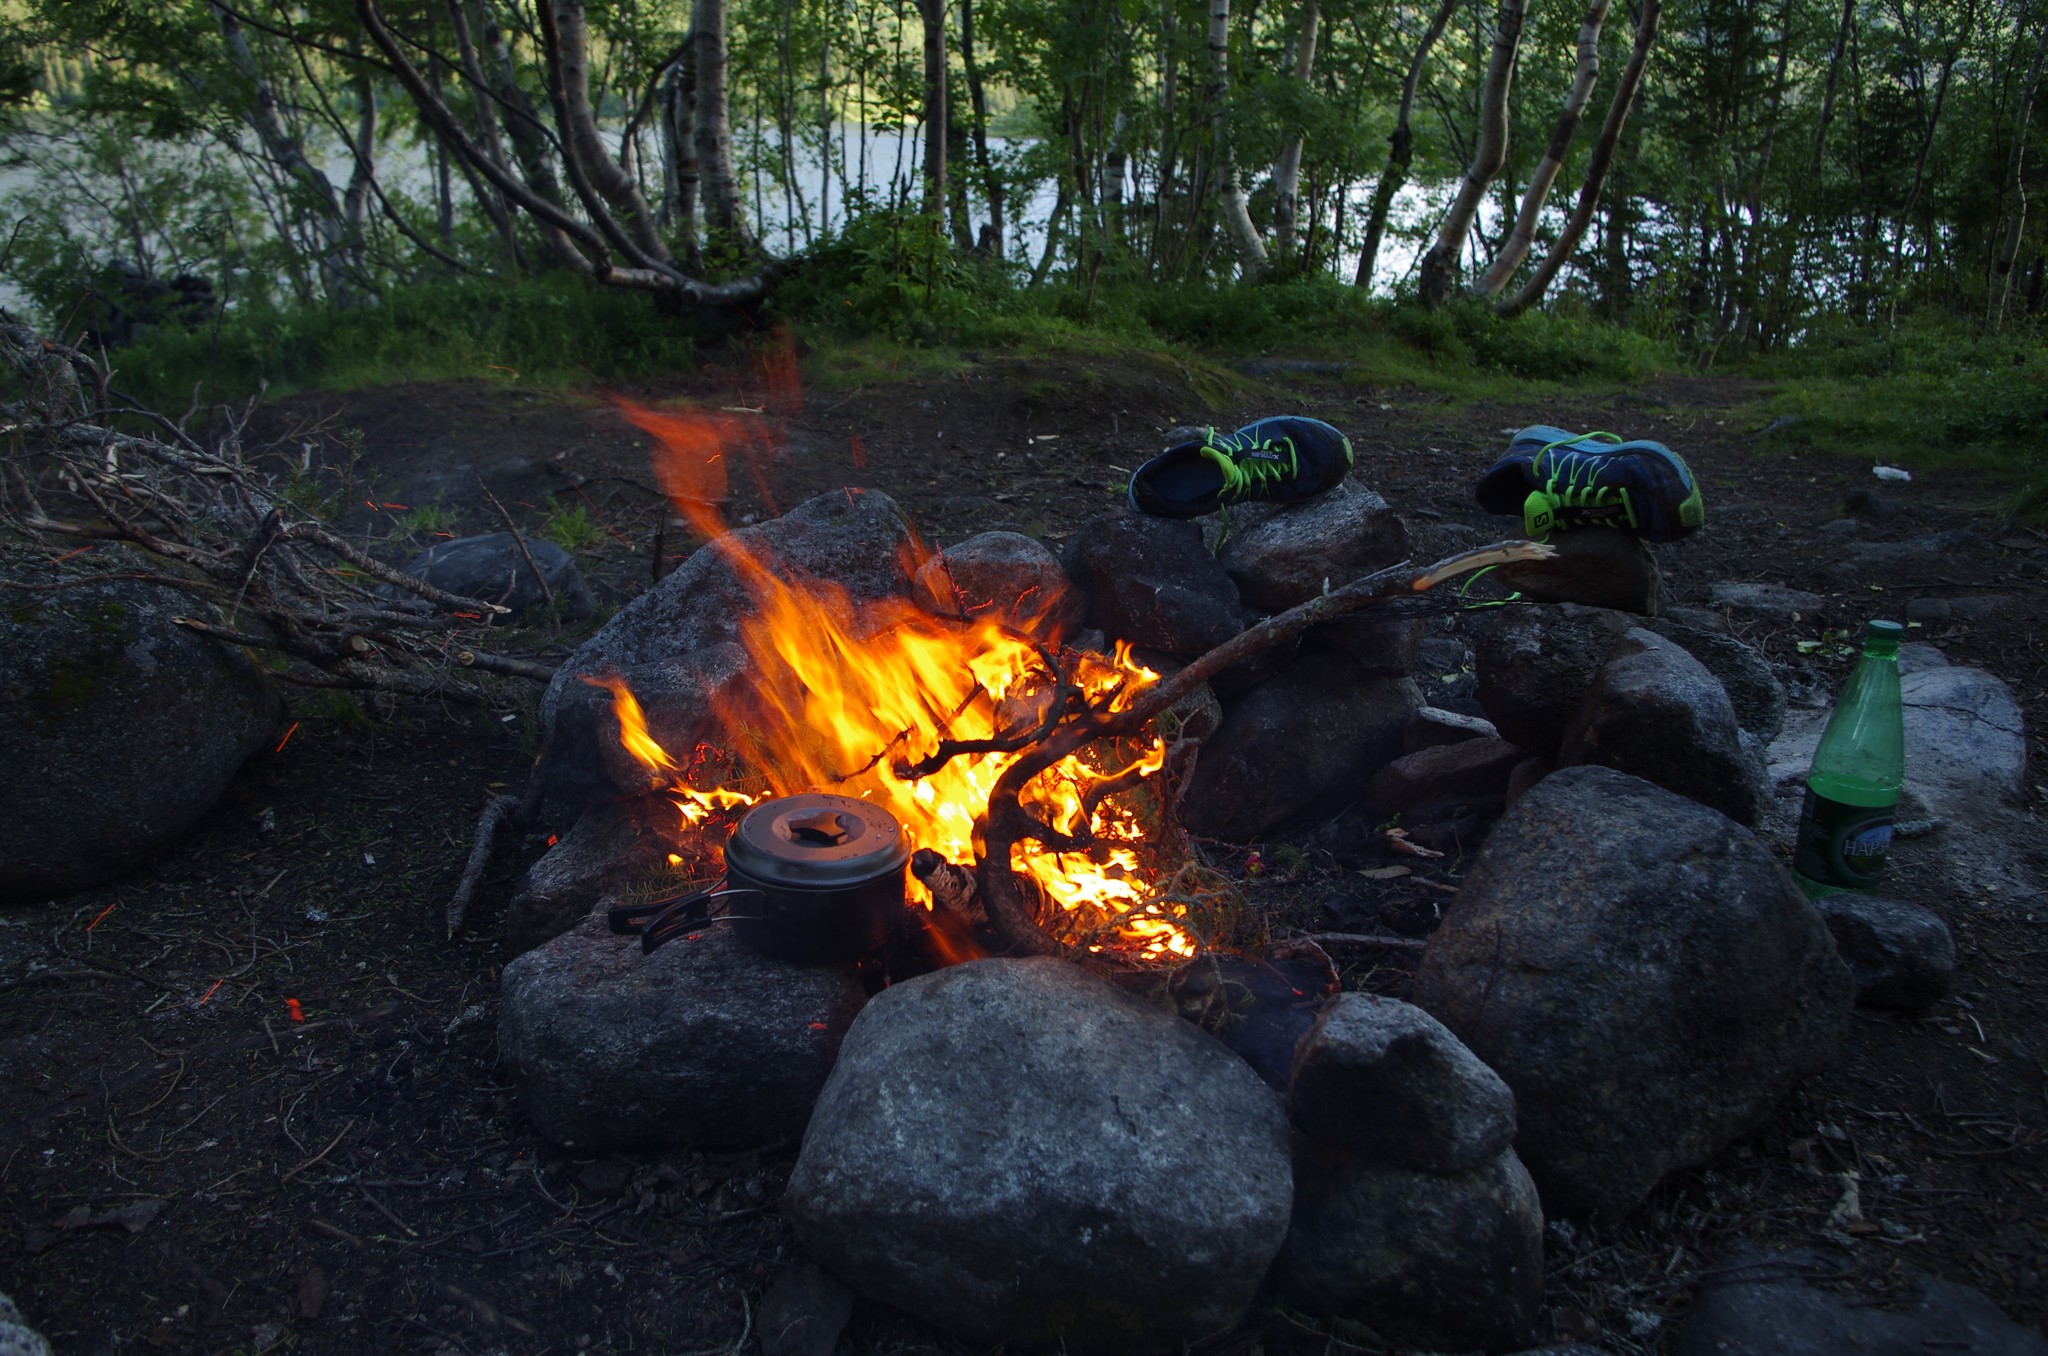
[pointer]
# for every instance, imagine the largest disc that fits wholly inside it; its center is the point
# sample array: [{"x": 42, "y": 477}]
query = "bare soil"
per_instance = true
[{"x": 187, "y": 1165}]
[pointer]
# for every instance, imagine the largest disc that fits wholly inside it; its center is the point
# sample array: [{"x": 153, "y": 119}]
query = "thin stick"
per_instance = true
[
  {"x": 500, "y": 809},
  {"x": 320, "y": 1157},
  {"x": 547, "y": 594},
  {"x": 1366, "y": 939}
]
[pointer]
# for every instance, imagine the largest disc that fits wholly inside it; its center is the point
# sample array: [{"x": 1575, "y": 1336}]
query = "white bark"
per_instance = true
[
  {"x": 1440, "y": 265},
  {"x": 1516, "y": 247},
  {"x": 1287, "y": 174},
  {"x": 1237, "y": 217}
]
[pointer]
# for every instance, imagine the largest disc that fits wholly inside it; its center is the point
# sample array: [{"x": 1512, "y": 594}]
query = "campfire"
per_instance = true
[{"x": 921, "y": 716}]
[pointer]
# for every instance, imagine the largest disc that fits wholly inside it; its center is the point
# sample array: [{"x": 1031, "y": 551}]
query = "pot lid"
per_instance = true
[{"x": 816, "y": 842}]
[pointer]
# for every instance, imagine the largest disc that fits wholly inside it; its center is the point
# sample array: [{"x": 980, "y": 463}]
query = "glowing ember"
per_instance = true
[{"x": 853, "y": 711}]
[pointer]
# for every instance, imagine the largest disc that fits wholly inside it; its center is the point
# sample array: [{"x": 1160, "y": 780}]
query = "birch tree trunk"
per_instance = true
[
  {"x": 1516, "y": 247},
  {"x": 529, "y": 143},
  {"x": 1237, "y": 217},
  {"x": 1400, "y": 147},
  {"x": 713, "y": 133},
  {"x": 1287, "y": 174},
  {"x": 340, "y": 259},
  {"x": 1618, "y": 106},
  {"x": 2016, "y": 229},
  {"x": 583, "y": 147},
  {"x": 1440, "y": 265}
]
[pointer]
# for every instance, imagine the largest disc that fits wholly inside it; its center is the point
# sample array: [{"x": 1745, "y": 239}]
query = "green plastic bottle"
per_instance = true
[{"x": 1845, "y": 827}]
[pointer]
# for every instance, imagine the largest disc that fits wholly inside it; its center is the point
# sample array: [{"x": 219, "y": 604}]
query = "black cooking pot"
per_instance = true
[
  {"x": 826, "y": 876},
  {"x": 811, "y": 879}
]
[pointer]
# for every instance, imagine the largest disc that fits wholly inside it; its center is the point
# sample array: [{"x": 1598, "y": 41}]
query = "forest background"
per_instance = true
[{"x": 1845, "y": 199}]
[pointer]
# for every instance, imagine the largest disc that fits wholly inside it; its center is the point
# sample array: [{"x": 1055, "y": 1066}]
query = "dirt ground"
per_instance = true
[{"x": 187, "y": 1165}]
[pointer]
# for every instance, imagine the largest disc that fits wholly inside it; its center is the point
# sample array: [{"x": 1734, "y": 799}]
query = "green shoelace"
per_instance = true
[{"x": 1580, "y": 488}]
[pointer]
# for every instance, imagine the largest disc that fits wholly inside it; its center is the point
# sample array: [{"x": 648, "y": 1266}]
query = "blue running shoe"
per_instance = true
[
  {"x": 1284, "y": 459},
  {"x": 1557, "y": 480}
]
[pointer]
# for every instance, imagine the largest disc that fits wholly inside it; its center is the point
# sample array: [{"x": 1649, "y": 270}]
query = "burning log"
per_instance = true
[
  {"x": 1012, "y": 915},
  {"x": 954, "y": 888}
]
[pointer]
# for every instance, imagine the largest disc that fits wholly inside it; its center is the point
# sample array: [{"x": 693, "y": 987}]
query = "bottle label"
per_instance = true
[{"x": 1842, "y": 845}]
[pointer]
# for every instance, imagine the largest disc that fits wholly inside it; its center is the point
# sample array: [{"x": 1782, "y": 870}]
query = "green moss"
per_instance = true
[{"x": 71, "y": 682}]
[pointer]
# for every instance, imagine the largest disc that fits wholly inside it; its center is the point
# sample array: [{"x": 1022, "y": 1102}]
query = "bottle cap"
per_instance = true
[{"x": 1882, "y": 636}]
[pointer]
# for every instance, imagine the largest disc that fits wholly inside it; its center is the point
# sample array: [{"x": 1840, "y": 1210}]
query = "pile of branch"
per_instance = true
[
  {"x": 82, "y": 462},
  {"x": 1012, "y": 905}
]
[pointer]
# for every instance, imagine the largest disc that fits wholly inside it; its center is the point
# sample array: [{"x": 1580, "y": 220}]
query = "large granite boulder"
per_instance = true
[
  {"x": 119, "y": 729},
  {"x": 1596, "y": 566},
  {"x": 704, "y": 1043},
  {"x": 1152, "y": 583},
  {"x": 1642, "y": 972},
  {"x": 1754, "y": 691},
  {"x": 853, "y": 539},
  {"x": 611, "y": 847},
  {"x": 684, "y": 700},
  {"x": 1297, "y": 747},
  {"x": 1018, "y": 1152}
]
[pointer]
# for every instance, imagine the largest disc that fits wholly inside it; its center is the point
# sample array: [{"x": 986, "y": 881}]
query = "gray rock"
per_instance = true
[
  {"x": 684, "y": 700},
  {"x": 803, "y": 1313},
  {"x": 1305, "y": 549},
  {"x": 1915, "y": 655},
  {"x": 1536, "y": 665},
  {"x": 704, "y": 1043},
  {"x": 491, "y": 568},
  {"x": 119, "y": 729},
  {"x": 1655, "y": 712},
  {"x": 1932, "y": 548},
  {"x": 1766, "y": 602},
  {"x": 1696, "y": 619},
  {"x": 1567, "y": 1349},
  {"x": 1150, "y": 582},
  {"x": 1446, "y": 1263},
  {"x": 17, "y": 1338},
  {"x": 1432, "y": 726},
  {"x": 1295, "y": 748},
  {"x": 1447, "y": 780},
  {"x": 1900, "y": 955},
  {"x": 611, "y": 846},
  {"x": 1526, "y": 774},
  {"x": 1385, "y": 643},
  {"x": 1005, "y": 577},
  {"x": 1596, "y": 566},
  {"x": 1871, "y": 504},
  {"x": 1767, "y": 1308},
  {"x": 1644, "y": 975},
  {"x": 1965, "y": 740},
  {"x": 1755, "y": 692},
  {"x": 1386, "y": 1081},
  {"x": 1017, "y": 1152},
  {"x": 853, "y": 539}
]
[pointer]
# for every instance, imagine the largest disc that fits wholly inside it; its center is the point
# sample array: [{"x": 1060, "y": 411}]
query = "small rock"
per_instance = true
[
  {"x": 1433, "y": 726},
  {"x": 1596, "y": 566},
  {"x": 704, "y": 1043},
  {"x": 611, "y": 845},
  {"x": 1654, "y": 711},
  {"x": 1296, "y": 748},
  {"x": 492, "y": 569},
  {"x": 1536, "y": 665},
  {"x": 17, "y": 1338},
  {"x": 1526, "y": 774},
  {"x": 1765, "y": 1307},
  {"x": 1447, "y": 1263},
  {"x": 1307, "y": 549},
  {"x": 1900, "y": 955},
  {"x": 1868, "y": 503},
  {"x": 1757, "y": 695},
  {"x": 1151, "y": 583},
  {"x": 1385, "y": 1081},
  {"x": 1644, "y": 975},
  {"x": 1017, "y": 1152},
  {"x": 1445, "y": 781},
  {"x": 803, "y": 1313},
  {"x": 1385, "y": 643},
  {"x": 1766, "y": 602},
  {"x": 1005, "y": 577}
]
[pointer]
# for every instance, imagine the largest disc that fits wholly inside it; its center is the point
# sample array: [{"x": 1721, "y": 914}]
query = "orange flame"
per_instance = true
[{"x": 851, "y": 697}]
